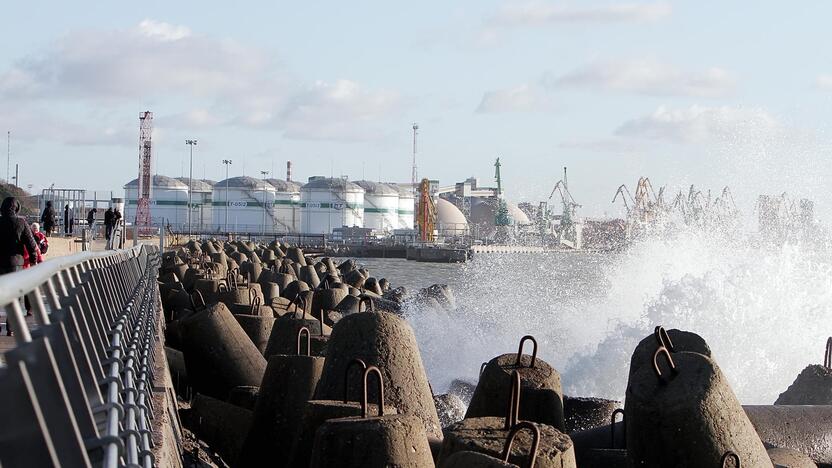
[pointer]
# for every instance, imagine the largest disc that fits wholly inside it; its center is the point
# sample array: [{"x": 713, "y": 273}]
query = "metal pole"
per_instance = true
[
  {"x": 264, "y": 173},
  {"x": 227, "y": 163},
  {"x": 190, "y": 143}
]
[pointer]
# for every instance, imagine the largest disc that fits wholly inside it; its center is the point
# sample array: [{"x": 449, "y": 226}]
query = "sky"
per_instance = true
[{"x": 707, "y": 93}]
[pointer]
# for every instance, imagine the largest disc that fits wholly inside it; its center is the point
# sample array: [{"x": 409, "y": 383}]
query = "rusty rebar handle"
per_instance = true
[
  {"x": 612, "y": 427},
  {"x": 321, "y": 320},
  {"x": 255, "y": 305},
  {"x": 198, "y": 295},
  {"x": 251, "y": 294},
  {"x": 482, "y": 367},
  {"x": 300, "y": 300},
  {"x": 663, "y": 338},
  {"x": 729, "y": 455},
  {"x": 367, "y": 371},
  {"x": 513, "y": 401},
  {"x": 827, "y": 358},
  {"x": 520, "y": 350},
  {"x": 662, "y": 350},
  {"x": 369, "y": 300},
  {"x": 308, "y": 341},
  {"x": 535, "y": 442},
  {"x": 222, "y": 287},
  {"x": 352, "y": 363}
]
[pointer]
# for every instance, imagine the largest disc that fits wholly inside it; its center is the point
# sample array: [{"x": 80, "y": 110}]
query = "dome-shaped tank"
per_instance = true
[
  {"x": 244, "y": 204},
  {"x": 484, "y": 212},
  {"x": 407, "y": 207},
  {"x": 381, "y": 206},
  {"x": 450, "y": 222},
  {"x": 201, "y": 201},
  {"x": 327, "y": 204},
  {"x": 168, "y": 201},
  {"x": 286, "y": 205}
]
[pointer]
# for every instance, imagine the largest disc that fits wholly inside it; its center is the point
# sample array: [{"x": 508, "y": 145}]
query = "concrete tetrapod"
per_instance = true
[
  {"x": 489, "y": 435},
  {"x": 372, "y": 441},
  {"x": 682, "y": 412},
  {"x": 813, "y": 386},
  {"x": 465, "y": 459},
  {"x": 285, "y": 331},
  {"x": 218, "y": 354},
  {"x": 386, "y": 341},
  {"x": 789, "y": 458},
  {"x": 221, "y": 424},
  {"x": 289, "y": 382},
  {"x": 259, "y": 329},
  {"x": 581, "y": 414},
  {"x": 541, "y": 392},
  {"x": 806, "y": 429},
  {"x": 316, "y": 412}
]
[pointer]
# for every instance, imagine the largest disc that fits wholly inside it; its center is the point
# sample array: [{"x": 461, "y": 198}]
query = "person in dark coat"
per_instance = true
[
  {"x": 16, "y": 240},
  {"x": 68, "y": 221},
  {"x": 109, "y": 220},
  {"x": 91, "y": 222},
  {"x": 48, "y": 219}
]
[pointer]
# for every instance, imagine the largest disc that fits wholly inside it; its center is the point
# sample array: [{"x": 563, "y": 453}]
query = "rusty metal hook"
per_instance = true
[
  {"x": 369, "y": 300},
  {"x": 663, "y": 338},
  {"x": 300, "y": 300},
  {"x": 321, "y": 320},
  {"x": 612, "y": 427},
  {"x": 520, "y": 350},
  {"x": 729, "y": 454},
  {"x": 367, "y": 372},
  {"x": 662, "y": 350},
  {"x": 255, "y": 305},
  {"x": 355, "y": 361},
  {"x": 308, "y": 341},
  {"x": 535, "y": 442},
  {"x": 514, "y": 401},
  {"x": 482, "y": 367},
  {"x": 222, "y": 287},
  {"x": 827, "y": 358},
  {"x": 199, "y": 296},
  {"x": 251, "y": 294}
]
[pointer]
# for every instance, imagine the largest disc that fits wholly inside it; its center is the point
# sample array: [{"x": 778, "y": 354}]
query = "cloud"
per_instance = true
[
  {"x": 544, "y": 14},
  {"x": 648, "y": 77},
  {"x": 331, "y": 111},
  {"x": 824, "y": 82},
  {"x": 603, "y": 145},
  {"x": 523, "y": 98},
  {"x": 218, "y": 82},
  {"x": 700, "y": 124}
]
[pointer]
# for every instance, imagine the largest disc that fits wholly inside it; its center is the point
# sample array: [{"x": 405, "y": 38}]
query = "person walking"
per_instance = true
[
  {"x": 108, "y": 222},
  {"x": 68, "y": 220},
  {"x": 91, "y": 222},
  {"x": 16, "y": 239},
  {"x": 49, "y": 218}
]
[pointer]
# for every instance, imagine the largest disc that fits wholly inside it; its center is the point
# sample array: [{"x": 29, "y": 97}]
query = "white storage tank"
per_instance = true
[
  {"x": 247, "y": 202},
  {"x": 201, "y": 201},
  {"x": 327, "y": 204},
  {"x": 450, "y": 222},
  {"x": 407, "y": 207},
  {"x": 286, "y": 205},
  {"x": 168, "y": 202},
  {"x": 381, "y": 206}
]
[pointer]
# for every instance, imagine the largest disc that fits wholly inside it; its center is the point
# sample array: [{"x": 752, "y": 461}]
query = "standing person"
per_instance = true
[
  {"x": 108, "y": 222},
  {"x": 49, "y": 218},
  {"x": 116, "y": 219},
  {"x": 91, "y": 222},
  {"x": 16, "y": 239},
  {"x": 30, "y": 259},
  {"x": 68, "y": 221}
]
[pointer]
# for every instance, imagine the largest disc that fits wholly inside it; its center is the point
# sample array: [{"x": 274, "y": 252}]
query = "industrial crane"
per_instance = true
[{"x": 426, "y": 213}]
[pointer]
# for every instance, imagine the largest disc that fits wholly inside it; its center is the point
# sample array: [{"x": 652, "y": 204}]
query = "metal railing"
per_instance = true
[{"x": 76, "y": 387}]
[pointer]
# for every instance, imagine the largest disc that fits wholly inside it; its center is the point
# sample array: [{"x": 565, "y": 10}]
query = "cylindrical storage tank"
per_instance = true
[
  {"x": 168, "y": 201},
  {"x": 407, "y": 207},
  {"x": 201, "y": 201},
  {"x": 286, "y": 205},
  {"x": 246, "y": 203},
  {"x": 381, "y": 206},
  {"x": 450, "y": 222},
  {"x": 327, "y": 204}
]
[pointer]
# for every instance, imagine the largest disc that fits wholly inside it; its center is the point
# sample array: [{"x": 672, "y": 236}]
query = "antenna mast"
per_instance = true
[
  {"x": 413, "y": 174},
  {"x": 145, "y": 160}
]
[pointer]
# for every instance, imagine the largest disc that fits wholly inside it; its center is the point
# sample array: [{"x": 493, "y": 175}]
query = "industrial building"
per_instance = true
[
  {"x": 329, "y": 203},
  {"x": 243, "y": 204},
  {"x": 168, "y": 200}
]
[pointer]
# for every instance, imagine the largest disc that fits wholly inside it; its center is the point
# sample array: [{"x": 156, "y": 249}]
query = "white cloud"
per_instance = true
[
  {"x": 701, "y": 124},
  {"x": 542, "y": 13},
  {"x": 603, "y": 145},
  {"x": 824, "y": 82},
  {"x": 649, "y": 77},
  {"x": 163, "y": 31},
  {"x": 523, "y": 98}
]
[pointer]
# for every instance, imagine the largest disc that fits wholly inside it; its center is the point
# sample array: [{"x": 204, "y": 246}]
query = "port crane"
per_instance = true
[
  {"x": 426, "y": 213},
  {"x": 567, "y": 231}
]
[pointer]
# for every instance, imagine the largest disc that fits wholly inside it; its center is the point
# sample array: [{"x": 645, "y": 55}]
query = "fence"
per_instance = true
[{"x": 77, "y": 384}]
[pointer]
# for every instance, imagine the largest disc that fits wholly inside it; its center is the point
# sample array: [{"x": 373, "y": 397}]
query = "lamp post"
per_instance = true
[
  {"x": 264, "y": 173},
  {"x": 227, "y": 163},
  {"x": 190, "y": 143}
]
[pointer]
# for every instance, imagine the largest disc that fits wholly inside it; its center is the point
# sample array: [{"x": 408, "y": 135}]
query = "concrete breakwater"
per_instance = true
[{"x": 298, "y": 361}]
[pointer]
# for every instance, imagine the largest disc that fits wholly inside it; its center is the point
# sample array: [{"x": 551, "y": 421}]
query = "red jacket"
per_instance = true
[{"x": 40, "y": 239}]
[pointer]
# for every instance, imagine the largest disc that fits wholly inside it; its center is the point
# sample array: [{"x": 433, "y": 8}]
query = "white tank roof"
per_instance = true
[
  {"x": 284, "y": 186},
  {"x": 199, "y": 185},
  {"x": 404, "y": 191},
  {"x": 245, "y": 182},
  {"x": 160, "y": 181},
  {"x": 376, "y": 188},
  {"x": 332, "y": 184},
  {"x": 448, "y": 213}
]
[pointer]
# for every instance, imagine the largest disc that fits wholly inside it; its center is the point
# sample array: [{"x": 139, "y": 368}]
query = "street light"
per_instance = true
[
  {"x": 227, "y": 163},
  {"x": 264, "y": 173},
  {"x": 190, "y": 143}
]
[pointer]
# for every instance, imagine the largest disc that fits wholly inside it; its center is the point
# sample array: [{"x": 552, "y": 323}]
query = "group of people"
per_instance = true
[
  {"x": 49, "y": 219},
  {"x": 21, "y": 245}
]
